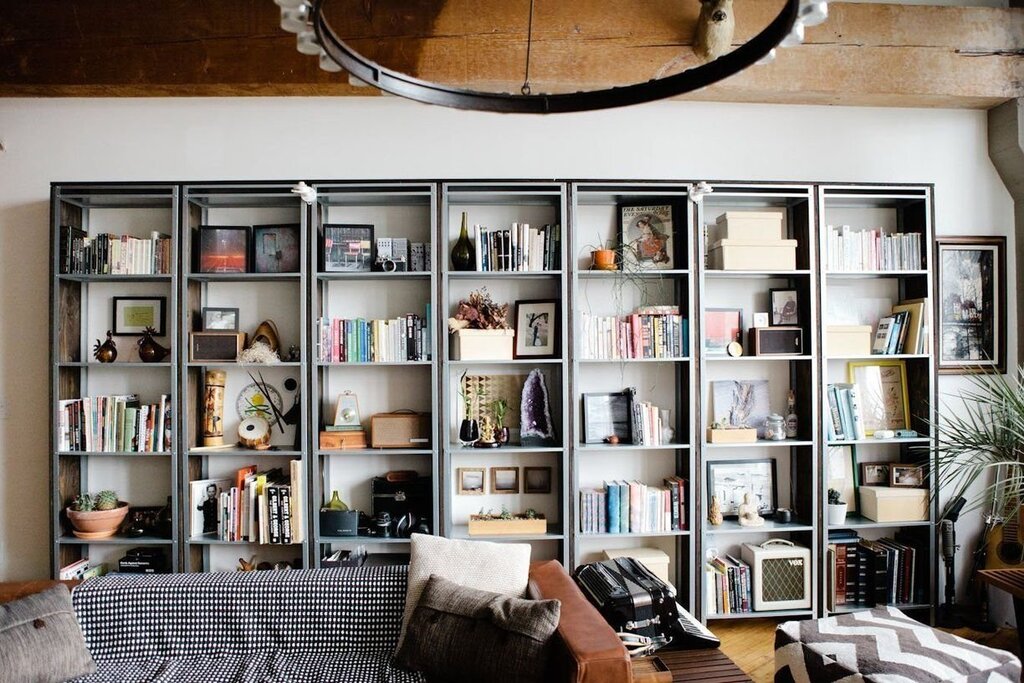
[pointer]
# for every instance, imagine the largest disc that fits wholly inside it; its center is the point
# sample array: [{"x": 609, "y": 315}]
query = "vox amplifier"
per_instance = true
[{"x": 782, "y": 574}]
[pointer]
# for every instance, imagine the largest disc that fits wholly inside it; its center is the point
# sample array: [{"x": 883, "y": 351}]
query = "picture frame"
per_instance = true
[
  {"x": 220, "y": 319},
  {"x": 722, "y": 326},
  {"x": 347, "y": 248},
  {"x": 972, "y": 304},
  {"x": 784, "y": 307},
  {"x": 471, "y": 481},
  {"x": 882, "y": 394},
  {"x": 647, "y": 236},
  {"x": 906, "y": 476},
  {"x": 223, "y": 249},
  {"x": 504, "y": 480},
  {"x": 730, "y": 479},
  {"x": 607, "y": 414},
  {"x": 276, "y": 248},
  {"x": 537, "y": 328},
  {"x": 741, "y": 403},
  {"x": 875, "y": 473},
  {"x": 346, "y": 411},
  {"x": 536, "y": 480},
  {"x": 843, "y": 474},
  {"x": 133, "y": 314}
]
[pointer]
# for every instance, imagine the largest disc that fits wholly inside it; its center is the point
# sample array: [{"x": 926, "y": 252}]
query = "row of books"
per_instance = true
[
  {"x": 117, "y": 423},
  {"x": 864, "y": 573},
  {"x": 109, "y": 254},
  {"x": 630, "y": 507},
  {"x": 257, "y": 507},
  {"x": 845, "y": 421},
  {"x": 728, "y": 586},
  {"x": 905, "y": 331},
  {"x": 645, "y": 421},
  {"x": 650, "y": 332},
  {"x": 520, "y": 248},
  {"x": 359, "y": 340},
  {"x": 875, "y": 249}
]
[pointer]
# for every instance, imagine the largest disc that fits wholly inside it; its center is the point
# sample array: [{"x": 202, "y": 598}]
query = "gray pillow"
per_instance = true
[
  {"x": 463, "y": 634},
  {"x": 40, "y": 640}
]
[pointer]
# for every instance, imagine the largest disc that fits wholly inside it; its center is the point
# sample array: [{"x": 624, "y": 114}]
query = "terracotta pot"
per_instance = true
[
  {"x": 603, "y": 259},
  {"x": 104, "y": 522}
]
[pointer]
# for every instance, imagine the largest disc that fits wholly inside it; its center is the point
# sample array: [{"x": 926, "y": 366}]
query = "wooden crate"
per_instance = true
[{"x": 506, "y": 527}]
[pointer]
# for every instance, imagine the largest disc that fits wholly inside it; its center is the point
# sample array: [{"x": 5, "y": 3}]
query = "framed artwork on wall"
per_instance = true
[{"x": 972, "y": 304}]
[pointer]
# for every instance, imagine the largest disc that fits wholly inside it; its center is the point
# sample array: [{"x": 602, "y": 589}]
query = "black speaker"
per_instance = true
[{"x": 776, "y": 341}]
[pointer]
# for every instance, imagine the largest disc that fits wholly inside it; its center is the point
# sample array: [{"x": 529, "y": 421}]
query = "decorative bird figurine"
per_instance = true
[
  {"x": 715, "y": 27},
  {"x": 107, "y": 351},
  {"x": 149, "y": 350}
]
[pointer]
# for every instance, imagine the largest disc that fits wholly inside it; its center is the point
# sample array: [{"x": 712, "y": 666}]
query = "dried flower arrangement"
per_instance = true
[{"x": 479, "y": 312}]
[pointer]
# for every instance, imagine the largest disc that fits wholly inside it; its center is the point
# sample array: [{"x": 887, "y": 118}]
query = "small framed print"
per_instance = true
[
  {"x": 471, "y": 481},
  {"x": 909, "y": 476},
  {"x": 761, "y": 320},
  {"x": 882, "y": 389},
  {"x": 220, "y": 319},
  {"x": 607, "y": 415},
  {"x": 785, "y": 309},
  {"x": 347, "y": 248},
  {"x": 536, "y": 480},
  {"x": 537, "y": 328},
  {"x": 722, "y": 326},
  {"x": 874, "y": 473},
  {"x": 731, "y": 480},
  {"x": 646, "y": 235},
  {"x": 346, "y": 411},
  {"x": 223, "y": 249},
  {"x": 276, "y": 248},
  {"x": 504, "y": 480},
  {"x": 133, "y": 314}
]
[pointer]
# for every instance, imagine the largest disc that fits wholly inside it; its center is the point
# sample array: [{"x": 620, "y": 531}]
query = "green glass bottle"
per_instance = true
[
  {"x": 463, "y": 257},
  {"x": 336, "y": 503}
]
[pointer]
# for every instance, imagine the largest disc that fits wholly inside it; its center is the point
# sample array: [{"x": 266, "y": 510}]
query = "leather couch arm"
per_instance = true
[
  {"x": 14, "y": 590},
  {"x": 586, "y": 648}
]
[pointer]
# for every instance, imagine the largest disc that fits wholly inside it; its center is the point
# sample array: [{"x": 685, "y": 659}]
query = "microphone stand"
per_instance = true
[{"x": 947, "y": 532}]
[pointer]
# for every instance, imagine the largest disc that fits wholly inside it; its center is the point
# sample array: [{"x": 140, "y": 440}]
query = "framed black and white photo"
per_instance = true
[
  {"x": 536, "y": 480},
  {"x": 722, "y": 326},
  {"x": 220, "y": 319},
  {"x": 646, "y": 236},
  {"x": 536, "y": 328},
  {"x": 729, "y": 480},
  {"x": 223, "y": 249},
  {"x": 784, "y": 307},
  {"x": 972, "y": 304},
  {"x": 874, "y": 473},
  {"x": 741, "y": 403},
  {"x": 471, "y": 481},
  {"x": 909, "y": 476},
  {"x": 276, "y": 248},
  {"x": 606, "y": 415},
  {"x": 504, "y": 480},
  {"x": 347, "y": 248},
  {"x": 133, "y": 314}
]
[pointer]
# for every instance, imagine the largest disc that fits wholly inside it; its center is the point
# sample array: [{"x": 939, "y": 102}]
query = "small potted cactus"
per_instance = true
[
  {"x": 836, "y": 508},
  {"x": 97, "y": 516}
]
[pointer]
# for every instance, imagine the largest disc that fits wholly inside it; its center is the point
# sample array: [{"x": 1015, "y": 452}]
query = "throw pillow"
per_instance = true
[
  {"x": 463, "y": 634},
  {"x": 40, "y": 639},
  {"x": 502, "y": 568}
]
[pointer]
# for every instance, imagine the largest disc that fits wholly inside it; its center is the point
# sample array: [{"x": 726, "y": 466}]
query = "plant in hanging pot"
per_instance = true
[
  {"x": 98, "y": 516},
  {"x": 480, "y": 329},
  {"x": 836, "y": 508}
]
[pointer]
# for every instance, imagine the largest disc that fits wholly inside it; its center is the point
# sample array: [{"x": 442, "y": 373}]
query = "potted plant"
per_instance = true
[
  {"x": 505, "y": 523},
  {"x": 499, "y": 407},
  {"x": 603, "y": 256},
  {"x": 836, "y": 508},
  {"x": 97, "y": 516},
  {"x": 480, "y": 329}
]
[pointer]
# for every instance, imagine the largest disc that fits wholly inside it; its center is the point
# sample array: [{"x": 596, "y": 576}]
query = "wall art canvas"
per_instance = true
[
  {"x": 741, "y": 403},
  {"x": 972, "y": 304}
]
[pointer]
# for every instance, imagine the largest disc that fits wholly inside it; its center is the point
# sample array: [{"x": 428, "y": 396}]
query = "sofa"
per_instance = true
[{"x": 308, "y": 625}]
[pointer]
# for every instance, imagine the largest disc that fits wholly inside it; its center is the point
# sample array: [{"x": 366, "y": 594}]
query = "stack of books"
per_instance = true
[
  {"x": 728, "y": 586},
  {"x": 118, "y": 423},
  {"x": 109, "y": 254},
  {"x": 645, "y": 422},
  {"x": 520, "y": 248},
  {"x": 845, "y": 421},
  {"x": 864, "y": 573},
  {"x": 406, "y": 338},
  {"x": 868, "y": 250},
  {"x": 622, "y": 507},
  {"x": 905, "y": 331},
  {"x": 650, "y": 332}
]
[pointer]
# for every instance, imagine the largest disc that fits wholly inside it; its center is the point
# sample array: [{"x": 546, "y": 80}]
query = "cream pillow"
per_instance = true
[{"x": 502, "y": 568}]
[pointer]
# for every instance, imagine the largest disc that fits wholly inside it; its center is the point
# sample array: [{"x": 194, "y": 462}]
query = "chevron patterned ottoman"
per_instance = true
[{"x": 883, "y": 645}]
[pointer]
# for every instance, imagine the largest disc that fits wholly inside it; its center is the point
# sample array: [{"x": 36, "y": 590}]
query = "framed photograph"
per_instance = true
[
  {"x": 972, "y": 304},
  {"x": 347, "y": 248},
  {"x": 784, "y": 307},
  {"x": 722, "y": 326},
  {"x": 910, "y": 476},
  {"x": 471, "y": 481},
  {"x": 646, "y": 233},
  {"x": 346, "y": 412},
  {"x": 276, "y": 248},
  {"x": 504, "y": 480},
  {"x": 605, "y": 415},
  {"x": 842, "y": 473},
  {"x": 133, "y": 314},
  {"x": 536, "y": 480},
  {"x": 741, "y": 403},
  {"x": 882, "y": 393},
  {"x": 874, "y": 473},
  {"x": 729, "y": 480},
  {"x": 220, "y": 319},
  {"x": 223, "y": 249},
  {"x": 537, "y": 328}
]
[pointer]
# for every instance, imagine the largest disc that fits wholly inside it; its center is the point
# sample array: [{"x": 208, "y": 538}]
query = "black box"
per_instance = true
[
  {"x": 776, "y": 341},
  {"x": 339, "y": 522},
  {"x": 399, "y": 498}
]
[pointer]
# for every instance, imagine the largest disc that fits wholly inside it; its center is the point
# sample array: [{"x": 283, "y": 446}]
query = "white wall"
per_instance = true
[{"x": 192, "y": 139}]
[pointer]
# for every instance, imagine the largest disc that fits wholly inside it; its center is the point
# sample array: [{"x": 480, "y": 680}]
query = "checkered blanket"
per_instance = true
[{"x": 313, "y": 625}]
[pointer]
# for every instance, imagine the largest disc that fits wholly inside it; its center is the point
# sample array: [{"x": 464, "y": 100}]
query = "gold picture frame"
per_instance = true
[
  {"x": 472, "y": 481},
  {"x": 882, "y": 393}
]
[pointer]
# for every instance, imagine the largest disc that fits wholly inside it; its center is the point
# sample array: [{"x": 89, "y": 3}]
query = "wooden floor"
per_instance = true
[{"x": 751, "y": 643}]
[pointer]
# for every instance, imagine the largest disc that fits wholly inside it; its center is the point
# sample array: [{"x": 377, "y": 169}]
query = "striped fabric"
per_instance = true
[{"x": 883, "y": 645}]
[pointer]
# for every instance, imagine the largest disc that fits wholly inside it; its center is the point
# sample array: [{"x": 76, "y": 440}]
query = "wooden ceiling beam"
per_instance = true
[{"x": 866, "y": 54}]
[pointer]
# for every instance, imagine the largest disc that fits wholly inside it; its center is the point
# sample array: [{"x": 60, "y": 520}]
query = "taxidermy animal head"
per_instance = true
[{"x": 715, "y": 27}]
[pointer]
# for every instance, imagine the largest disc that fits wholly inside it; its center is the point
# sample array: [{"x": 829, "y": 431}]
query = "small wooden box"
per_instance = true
[
  {"x": 848, "y": 340},
  {"x": 894, "y": 504},
  {"x": 215, "y": 346},
  {"x": 506, "y": 527},
  {"x": 400, "y": 430},
  {"x": 482, "y": 344},
  {"x": 349, "y": 439},
  {"x": 732, "y": 254},
  {"x": 742, "y": 435}
]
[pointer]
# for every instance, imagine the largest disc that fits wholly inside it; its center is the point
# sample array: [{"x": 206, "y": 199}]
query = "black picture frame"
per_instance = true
[
  {"x": 276, "y": 248},
  {"x": 607, "y": 414},
  {"x": 122, "y": 326},
  {"x": 786, "y": 311},
  {"x": 736, "y": 476},
  {"x": 222, "y": 249},
  {"x": 656, "y": 249},
  {"x": 719, "y": 330},
  {"x": 347, "y": 248},
  {"x": 536, "y": 318},
  {"x": 213, "y": 319}
]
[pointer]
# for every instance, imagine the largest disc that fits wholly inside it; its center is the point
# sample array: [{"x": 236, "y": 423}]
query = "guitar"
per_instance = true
[{"x": 1005, "y": 545}]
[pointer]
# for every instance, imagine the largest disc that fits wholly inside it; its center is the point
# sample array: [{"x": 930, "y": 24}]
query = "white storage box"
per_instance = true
[
  {"x": 894, "y": 503},
  {"x": 755, "y": 226},
  {"x": 652, "y": 558},
  {"x": 848, "y": 340},
  {"x": 782, "y": 574},
  {"x": 734, "y": 254},
  {"x": 482, "y": 344}
]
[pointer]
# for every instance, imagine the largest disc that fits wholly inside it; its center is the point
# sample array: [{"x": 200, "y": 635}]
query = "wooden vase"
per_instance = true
[{"x": 213, "y": 408}]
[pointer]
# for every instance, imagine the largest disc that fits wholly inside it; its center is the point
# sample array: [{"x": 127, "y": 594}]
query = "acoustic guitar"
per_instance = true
[{"x": 1005, "y": 544}]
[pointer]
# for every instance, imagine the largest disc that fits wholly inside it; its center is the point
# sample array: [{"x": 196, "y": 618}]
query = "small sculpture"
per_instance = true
[
  {"x": 715, "y": 27},
  {"x": 488, "y": 438},
  {"x": 107, "y": 351},
  {"x": 715, "y": 515},
  {"x": 748, "y": 513},
  {"x": 266, "y": 332},
  {"x": 149, "y": 350}
]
